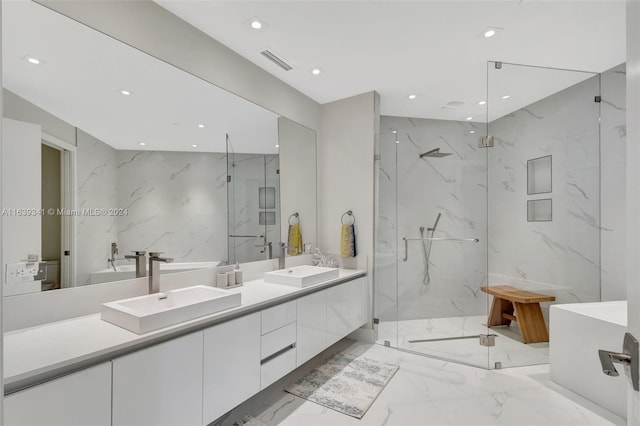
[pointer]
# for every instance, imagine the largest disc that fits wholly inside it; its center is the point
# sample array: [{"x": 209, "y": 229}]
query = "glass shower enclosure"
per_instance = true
[
  {"x": 511, "y": 198},
  {"x": 253, "y": 204}
]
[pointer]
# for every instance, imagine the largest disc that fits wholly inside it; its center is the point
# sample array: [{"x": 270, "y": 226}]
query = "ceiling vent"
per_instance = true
[{"x": 276, "y": 59}]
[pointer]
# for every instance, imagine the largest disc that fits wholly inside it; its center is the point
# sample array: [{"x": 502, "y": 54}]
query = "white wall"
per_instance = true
[
  {"x": 298, "y": 154},
  {"x": 1, "y": 227},
  {"x": 633, "y": 195},
  {"x": 345, "y": 172},
  {"x": 18, "y": 108},
  {"x": 152, "y": 29},
  {"x": 21, "y": 166}
]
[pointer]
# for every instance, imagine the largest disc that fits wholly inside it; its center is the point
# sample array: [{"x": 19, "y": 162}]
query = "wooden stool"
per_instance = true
[{"x": 527, "y": 311}]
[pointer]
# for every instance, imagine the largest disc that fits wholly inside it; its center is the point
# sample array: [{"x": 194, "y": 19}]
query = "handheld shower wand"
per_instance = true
[{"x": 427, "y": 251}]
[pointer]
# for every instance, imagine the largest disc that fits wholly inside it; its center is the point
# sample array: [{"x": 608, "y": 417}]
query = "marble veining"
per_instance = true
[
  {"x": 428, "y": 391},
  {"x": 175, "y": 201}
]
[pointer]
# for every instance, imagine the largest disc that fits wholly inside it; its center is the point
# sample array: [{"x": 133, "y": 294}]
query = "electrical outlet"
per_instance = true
[{"x": 21, "y": 272}]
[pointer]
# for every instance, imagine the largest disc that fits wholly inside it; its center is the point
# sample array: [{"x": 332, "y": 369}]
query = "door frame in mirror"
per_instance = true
[{"x": 68, "y": 204}]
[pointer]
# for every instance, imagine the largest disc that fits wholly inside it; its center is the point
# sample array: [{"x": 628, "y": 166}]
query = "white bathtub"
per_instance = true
[
  {"x": 577, "y": 331},
  {"x": 126, "y": 272}
]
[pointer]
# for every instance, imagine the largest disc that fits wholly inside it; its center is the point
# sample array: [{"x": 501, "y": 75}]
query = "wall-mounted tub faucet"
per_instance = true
[
  {"x": 141, "y": 263},
  {"x": 112, "y": 260},
  {"x": 628, "y": 358},
  {"x": 154, "y": 270}
]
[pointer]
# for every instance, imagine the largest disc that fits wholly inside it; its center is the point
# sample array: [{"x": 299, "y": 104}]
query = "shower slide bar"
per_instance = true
[{"x": 406, "y": 243}]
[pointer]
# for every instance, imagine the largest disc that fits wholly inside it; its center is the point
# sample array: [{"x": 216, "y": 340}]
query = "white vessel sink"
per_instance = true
[
  {"x": 148, "y": 313},
  {"x": 301, "y": 276}
]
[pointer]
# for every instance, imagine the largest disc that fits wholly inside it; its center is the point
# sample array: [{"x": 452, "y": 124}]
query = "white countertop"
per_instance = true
[{"x": 36, "y": 354}]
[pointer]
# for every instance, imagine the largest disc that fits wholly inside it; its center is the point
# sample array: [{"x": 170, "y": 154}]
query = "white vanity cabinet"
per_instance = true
[
  {"x": 329, "y": 315},
  {"x": 312, "y": 326},
  {"x": 160, "y": 385},
  {"x": 78, "y": 399},
  {"x": 231, "y": 365},
  {"x": 346, "y": 309},
  {"x": 277, "y": 342}
]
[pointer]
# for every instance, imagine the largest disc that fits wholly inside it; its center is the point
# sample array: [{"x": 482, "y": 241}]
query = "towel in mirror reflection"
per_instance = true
[{"x": 294, "y": 240}]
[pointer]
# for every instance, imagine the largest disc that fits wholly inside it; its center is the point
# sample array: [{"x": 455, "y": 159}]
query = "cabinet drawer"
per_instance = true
[
  {"x": 278, "y": 316},
  {"x": 277, "y": 367},
  {"x": 277, "y": 340}
]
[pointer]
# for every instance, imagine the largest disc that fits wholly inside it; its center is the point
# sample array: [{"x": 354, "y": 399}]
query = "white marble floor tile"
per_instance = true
[{"x": 427, "y": 391}]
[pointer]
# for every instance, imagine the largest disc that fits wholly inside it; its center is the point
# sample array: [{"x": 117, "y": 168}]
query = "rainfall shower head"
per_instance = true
[{"x": 434, "y": 153}]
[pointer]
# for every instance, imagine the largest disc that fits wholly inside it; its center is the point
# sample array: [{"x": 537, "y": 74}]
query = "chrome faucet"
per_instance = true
[
  {"x": 141, "y": 263},
  {"x": 282, "y": 253},
  {"x": 154, "y": 270}
]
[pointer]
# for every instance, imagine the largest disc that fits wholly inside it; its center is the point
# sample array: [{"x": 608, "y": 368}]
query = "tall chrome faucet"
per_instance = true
[
  {"x": 141, "y": 263},
  {"x": 281, "y": 254},
  {"x": 154, "y": 270}
]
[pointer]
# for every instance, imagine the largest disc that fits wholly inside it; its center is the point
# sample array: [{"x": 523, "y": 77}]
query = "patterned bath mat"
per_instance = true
[{"x": 345, "y": 383}]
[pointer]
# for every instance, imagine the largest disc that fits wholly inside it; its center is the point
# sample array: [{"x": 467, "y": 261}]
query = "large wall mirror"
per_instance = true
[{"x": 108, "y": 150}]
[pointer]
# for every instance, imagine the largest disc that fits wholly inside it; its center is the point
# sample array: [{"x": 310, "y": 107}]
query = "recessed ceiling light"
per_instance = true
[
  {"x": 412, "y": 96},
  {"x": 277, "y": 146},
  {"x": 32, "y": 60},
  {"x": 125, "y": 92},
  {"x": 394, "y": 132},
  {"x": 469, "y": 118},
  {"x": 316, "y": 71},
  {"x": 142, "y": 144},
  {"x": 194, "y": 145},
  {"x": 506, "y": 97},
  {"x": 256, "y": 24},
  {"x": 472, "y": 131},
  {"x": 482, "y": 102},
  {"x": 201, "y": 126},
  {"x": 490, "y": 31}
]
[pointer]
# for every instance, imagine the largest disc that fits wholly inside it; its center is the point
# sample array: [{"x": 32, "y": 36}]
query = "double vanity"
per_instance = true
[{"x": 185, "y": 356}]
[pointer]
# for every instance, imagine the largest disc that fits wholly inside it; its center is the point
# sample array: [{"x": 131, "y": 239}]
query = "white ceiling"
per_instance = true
[
  {"x": 431, "y": 48},
  {"x": 84, "y": 71}
]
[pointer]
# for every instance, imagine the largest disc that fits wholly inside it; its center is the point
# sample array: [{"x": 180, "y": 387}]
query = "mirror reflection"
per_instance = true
[{"x": 110, "y": 151}]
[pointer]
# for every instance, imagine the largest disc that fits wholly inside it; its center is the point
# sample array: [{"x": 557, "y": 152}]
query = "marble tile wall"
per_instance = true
[
  {"x": 175, "y": 201},
  {"x": 97, "y": 179},
  {"x": 454, "y": 186},
  {"x": 560, "y": 257}
]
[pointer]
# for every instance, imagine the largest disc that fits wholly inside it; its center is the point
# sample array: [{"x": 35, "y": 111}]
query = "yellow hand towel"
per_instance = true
[
  {"x": 295, "y": 240},
  {"x": 348, "y": 241}
]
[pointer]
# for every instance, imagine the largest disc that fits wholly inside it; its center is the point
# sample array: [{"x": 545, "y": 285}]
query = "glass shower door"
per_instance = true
[
  {"x": 253, "y": 194},
  {"x": 544, "y": 197},
  {"x": 435, "y": 176}
]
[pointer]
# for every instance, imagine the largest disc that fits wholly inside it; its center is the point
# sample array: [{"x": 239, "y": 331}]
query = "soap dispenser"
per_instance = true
[{"x": 238, "y": 273}]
